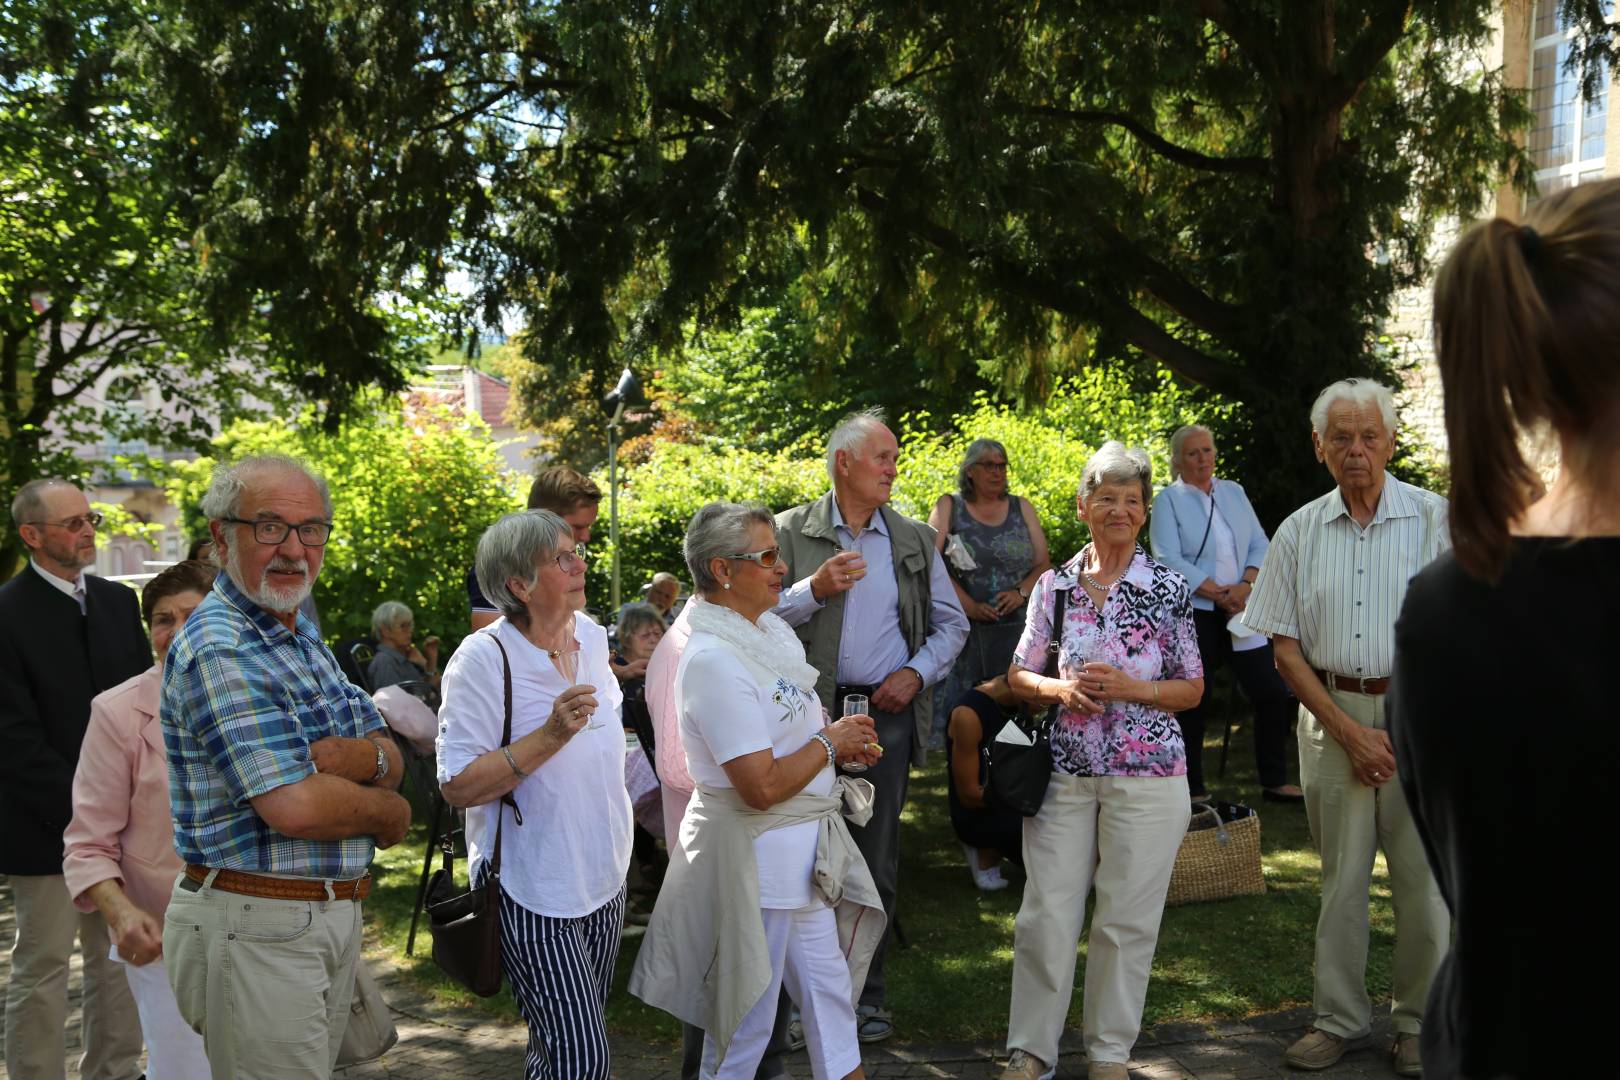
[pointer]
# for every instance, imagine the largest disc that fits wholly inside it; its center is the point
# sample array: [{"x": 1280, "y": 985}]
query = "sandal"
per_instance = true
[{"x": 873, "y": 1024}]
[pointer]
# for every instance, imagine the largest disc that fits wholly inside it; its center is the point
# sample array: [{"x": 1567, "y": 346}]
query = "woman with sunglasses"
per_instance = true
[
  {"x": 768, "y": 874},
  {"x": 562, "y": 875}
]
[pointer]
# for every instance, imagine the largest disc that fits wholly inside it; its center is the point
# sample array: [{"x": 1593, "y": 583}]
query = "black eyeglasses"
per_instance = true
[
  {"x": 767, "y": 558},
  {"x": 73, "y": 524},
  {"x": 271, "y": 531}
]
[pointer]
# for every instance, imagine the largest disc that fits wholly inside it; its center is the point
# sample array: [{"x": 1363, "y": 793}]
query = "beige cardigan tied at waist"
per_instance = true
[{"x": 704, "y": 959}]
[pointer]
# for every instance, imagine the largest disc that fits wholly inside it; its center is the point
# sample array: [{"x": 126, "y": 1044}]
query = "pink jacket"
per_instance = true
[
  {"x": 121, "y": 827},
  {"x": 660, "y": 691}
]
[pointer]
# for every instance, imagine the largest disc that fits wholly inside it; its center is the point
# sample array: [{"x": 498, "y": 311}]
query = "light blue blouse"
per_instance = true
[{"x": 1179, "y": 517}]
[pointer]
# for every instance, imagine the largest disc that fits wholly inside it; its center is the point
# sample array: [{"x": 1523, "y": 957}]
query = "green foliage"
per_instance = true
[
  {"x": 1046, "y": 449},
  {"x": 412, "y": 490}
]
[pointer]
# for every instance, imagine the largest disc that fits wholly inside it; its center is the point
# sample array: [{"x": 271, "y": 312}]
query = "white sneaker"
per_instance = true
[{"x": 987, "y": 880}]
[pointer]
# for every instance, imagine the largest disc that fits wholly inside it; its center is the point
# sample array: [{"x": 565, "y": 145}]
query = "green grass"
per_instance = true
[{"x": 1226, "y": 959}]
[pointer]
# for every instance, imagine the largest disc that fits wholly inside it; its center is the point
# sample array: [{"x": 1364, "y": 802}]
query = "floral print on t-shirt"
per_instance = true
[{"x": 1146, "y": 630}]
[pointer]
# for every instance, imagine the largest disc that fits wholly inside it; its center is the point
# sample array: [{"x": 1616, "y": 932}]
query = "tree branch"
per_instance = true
[
  {"x": 1386, "y": 23},
  {"x": 1186, "y": 299},
  {"x": 1258, "y": 43},
  {"x": 1254, "y": 166}
]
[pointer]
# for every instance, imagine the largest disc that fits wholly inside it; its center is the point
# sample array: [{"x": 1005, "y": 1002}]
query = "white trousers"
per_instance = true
[
  {"x": 1118, "y": 835},
  {"x": 806, "y": 959},
  {"x": 173, "y": 1050}
]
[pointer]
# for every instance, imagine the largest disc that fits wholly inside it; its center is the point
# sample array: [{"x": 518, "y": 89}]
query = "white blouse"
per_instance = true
[{"x": 570, "y": 855}]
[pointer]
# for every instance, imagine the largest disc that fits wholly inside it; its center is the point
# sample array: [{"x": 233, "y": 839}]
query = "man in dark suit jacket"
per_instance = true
[{"x": 65, "y": 636}]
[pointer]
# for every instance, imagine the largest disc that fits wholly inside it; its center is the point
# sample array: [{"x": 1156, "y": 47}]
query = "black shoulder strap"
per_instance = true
[
  {"x": 447, "y": 841},
  {"x": 1207, "y": 524}
]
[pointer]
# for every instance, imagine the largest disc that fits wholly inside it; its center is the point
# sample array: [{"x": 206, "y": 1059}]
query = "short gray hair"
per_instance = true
[
  {"x": 224, "y": 496},
  {"x": 29, "y": 502},
  {"x": 389, "y": 614},
  {"x": 512, "y": 548},
  {"x": 718, "y": 531},
  {"x": 976, "y": 451},
  {"x": 663, "y": 576},
  {"x": 851, "y": 434},
  {"x": 1363, "y": 392},
  {"x": 1115, "y": 463},
  {"x": 1180, "y": 438},
  {"x": 632, "y": 617}
]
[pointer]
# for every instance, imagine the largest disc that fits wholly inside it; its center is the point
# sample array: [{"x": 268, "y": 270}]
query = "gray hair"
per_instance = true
[
  {"x": 663, "y": 576},
  {"x": 1115, "y": 463},
  {"x": 1363, "y": 392},
  {"x": 718, "y": 531},
  {"x": 389, "y": 614},
  {"x": 976, "y": 451},
  {"x": 851, "y": 434},
  {"x": 512, "y": 548},
  {"x": 1178, "y": 439},
  {"x": 632, "y": 617},
  {"x": 224, "y": 496},
  {"x": 29, "y": 502}
]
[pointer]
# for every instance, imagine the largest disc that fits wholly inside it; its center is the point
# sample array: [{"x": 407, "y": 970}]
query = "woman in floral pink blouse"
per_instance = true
[{"x": 1116, "y": 808}]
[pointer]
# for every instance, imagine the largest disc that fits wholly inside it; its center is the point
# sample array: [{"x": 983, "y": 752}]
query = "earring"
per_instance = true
[{"x": 725, "y": 585}]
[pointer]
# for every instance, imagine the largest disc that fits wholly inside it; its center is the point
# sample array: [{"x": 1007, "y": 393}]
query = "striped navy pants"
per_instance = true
[{"x": 561, "y": 970}]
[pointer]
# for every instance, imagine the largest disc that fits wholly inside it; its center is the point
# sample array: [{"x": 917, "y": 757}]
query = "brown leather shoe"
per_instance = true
[
  {"x": 1405, "y": 1056},
  {"x": 1316, "y": 1049},
  {"x": 1107, "y": 1070}
]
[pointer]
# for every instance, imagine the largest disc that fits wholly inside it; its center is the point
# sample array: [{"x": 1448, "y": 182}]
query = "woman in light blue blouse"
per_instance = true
[{"x": 1205, "y": 529}]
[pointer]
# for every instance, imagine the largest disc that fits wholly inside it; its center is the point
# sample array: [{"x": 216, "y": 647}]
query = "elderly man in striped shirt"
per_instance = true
[
  {"x": 1328, "y": 595},
  {"x": 281, "y": 778}
]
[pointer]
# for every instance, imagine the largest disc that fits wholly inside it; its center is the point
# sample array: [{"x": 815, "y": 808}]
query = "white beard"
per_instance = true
[{"x": 280, "y": 601}]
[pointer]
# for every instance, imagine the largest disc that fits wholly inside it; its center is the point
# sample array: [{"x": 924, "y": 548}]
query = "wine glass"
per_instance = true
[
  {"x": 566, "y": 661},
  {"x": 856, "y": 705}
]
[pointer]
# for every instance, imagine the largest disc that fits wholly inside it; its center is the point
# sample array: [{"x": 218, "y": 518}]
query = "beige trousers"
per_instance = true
[
  {"x": 37, "y": 995},
  {"x": 1350, "y": 822},
  {"x": 1118, "y": 835},
  {"x": 266, "y": 983}
]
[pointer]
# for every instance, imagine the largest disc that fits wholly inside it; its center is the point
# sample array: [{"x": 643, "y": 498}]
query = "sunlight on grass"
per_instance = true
[{"x": 953, "y": 978}]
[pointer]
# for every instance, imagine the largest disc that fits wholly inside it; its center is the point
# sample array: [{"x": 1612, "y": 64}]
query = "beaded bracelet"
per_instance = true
[{"x": 832, "y": 751}]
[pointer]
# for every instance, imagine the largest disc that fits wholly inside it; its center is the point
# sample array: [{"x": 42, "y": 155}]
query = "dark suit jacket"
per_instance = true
[{"x": 52, "y": 662}]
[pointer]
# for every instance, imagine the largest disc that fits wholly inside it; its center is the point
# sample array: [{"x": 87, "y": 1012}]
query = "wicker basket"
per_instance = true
[{"x": 1217, "y": 861}]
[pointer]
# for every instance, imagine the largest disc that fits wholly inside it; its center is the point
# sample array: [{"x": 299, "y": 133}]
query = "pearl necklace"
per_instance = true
[{"x": 1093, "y": 582}]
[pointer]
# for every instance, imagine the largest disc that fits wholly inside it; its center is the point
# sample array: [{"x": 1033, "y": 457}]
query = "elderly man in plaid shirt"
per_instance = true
[{"x": 281, "y": 777}]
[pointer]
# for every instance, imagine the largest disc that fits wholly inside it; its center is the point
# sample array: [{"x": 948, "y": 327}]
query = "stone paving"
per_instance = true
[{"x": 450, "y": 1043}]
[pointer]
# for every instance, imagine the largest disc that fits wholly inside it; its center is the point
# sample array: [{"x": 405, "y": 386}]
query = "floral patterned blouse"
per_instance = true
[{"x": 1146, "y": 630}]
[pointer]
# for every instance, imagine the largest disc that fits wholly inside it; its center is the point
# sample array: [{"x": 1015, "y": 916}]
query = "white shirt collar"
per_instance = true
[{"x": 69, "y": 588}]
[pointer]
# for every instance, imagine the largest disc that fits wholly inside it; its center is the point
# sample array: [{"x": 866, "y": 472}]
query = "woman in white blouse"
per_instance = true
[
  {"x": 769, "y": 889},
  {"x": 562, "y": 876}
]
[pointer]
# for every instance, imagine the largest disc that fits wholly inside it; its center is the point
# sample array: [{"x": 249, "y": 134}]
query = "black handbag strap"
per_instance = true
[
  {"x": 448, "y": 846},
  {"x": 1054, "y": 646},
  {"x": 1208, "y": 523}
]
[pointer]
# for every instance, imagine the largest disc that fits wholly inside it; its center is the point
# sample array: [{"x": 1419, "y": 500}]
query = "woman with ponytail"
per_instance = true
[{"x": 1503, "y": 646}]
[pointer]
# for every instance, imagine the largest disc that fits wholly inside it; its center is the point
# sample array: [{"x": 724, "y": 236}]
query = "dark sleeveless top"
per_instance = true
[{"x": 1005, "y": 553}]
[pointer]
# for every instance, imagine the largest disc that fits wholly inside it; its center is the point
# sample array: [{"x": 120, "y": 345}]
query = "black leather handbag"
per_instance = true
[
  {"x": 1019, "y": 774},
  {"x": 466, "y": 926}
]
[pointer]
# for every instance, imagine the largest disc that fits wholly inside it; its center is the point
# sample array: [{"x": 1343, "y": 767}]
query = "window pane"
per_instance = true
[{"x": 1550, "y": 132}]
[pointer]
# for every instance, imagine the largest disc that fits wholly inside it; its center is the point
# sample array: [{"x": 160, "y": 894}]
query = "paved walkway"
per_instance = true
[{"x": 446, "y": 1043}]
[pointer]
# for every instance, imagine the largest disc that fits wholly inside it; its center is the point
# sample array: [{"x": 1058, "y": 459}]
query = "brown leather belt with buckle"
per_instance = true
[
  {"x": 276, "y": 888},
  {"x": 1355, "y": 684}
]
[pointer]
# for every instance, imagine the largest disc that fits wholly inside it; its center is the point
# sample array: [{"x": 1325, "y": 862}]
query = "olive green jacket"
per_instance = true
[{"x": 806, "y": 536}]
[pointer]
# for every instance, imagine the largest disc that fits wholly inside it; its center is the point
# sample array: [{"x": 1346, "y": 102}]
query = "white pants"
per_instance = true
[
  {"x": 173, "y": 1050},
  {"x": 805, "y": 958},
  {"x": 1119, "y": 835}
]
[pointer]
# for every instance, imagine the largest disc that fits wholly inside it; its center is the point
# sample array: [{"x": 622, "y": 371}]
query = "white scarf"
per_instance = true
[{"x": 768, "y": 648}]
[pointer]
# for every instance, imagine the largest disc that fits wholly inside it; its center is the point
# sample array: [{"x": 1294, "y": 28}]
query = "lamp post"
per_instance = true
[{"x": 628, "y": 391}]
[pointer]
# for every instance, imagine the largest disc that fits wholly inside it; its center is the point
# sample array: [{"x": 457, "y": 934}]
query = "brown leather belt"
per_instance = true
[
  {"x": 1355, "y": 685},
  {"x": 276, "y": 888}
]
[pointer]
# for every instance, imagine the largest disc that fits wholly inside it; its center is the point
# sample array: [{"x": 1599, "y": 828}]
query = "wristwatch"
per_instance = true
[
  {"x": 1023, "y": 592},
  {"x": 382, "y": 762}
]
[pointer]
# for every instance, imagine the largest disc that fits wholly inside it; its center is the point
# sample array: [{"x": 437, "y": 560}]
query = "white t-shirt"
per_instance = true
[
  {"x": 725, "y": 713},
  {"x": 570, "y": 855}
]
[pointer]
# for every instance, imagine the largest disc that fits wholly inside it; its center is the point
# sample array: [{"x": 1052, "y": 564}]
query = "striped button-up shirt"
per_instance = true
[
  {"x": 1337, "y": 587},
  {"x": 243, "y": 699}
]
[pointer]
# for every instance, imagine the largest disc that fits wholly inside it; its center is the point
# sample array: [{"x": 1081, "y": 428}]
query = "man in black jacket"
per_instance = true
[{"x": 65, "y": 636}]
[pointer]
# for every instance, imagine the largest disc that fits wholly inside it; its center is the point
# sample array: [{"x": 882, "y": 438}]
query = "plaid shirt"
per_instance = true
[{"x": 243, "y": 699}]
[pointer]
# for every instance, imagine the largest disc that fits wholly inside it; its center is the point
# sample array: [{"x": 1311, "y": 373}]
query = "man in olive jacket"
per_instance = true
[
  {"x": 873, "y": 604},
  {"x": 65, "y": 636}
]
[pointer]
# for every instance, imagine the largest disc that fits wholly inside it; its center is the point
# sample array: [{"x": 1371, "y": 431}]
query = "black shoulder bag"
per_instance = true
[
  {"x": 1019, "y": 774},
  {"x": 466, "y": 926}
]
